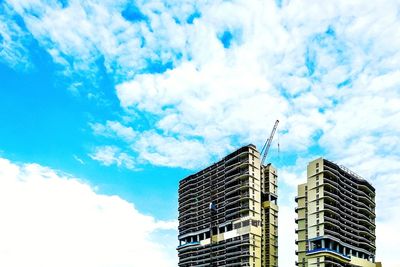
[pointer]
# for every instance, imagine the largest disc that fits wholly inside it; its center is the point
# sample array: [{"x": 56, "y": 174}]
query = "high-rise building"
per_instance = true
[
  {"x": 336, "y": 218},
  {"x": 228, "y": 215}
]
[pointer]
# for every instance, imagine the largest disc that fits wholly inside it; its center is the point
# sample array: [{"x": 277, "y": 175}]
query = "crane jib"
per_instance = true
[{"x": 267, "y": 145}]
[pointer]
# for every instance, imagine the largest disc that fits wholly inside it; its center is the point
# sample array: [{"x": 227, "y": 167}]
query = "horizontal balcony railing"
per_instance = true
[
  {"x": 356, "y": 214},
  {"x": 346, "y": 199},
  {"x": 338, "y": 234},
  {"x": 335, "y": 173},
  {"x": 350, "y": 228}
]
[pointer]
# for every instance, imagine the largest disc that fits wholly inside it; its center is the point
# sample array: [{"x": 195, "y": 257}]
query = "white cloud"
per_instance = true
[
  {"x": 49, "y": 219},
  {"x": 114, "y": 129},
  {"x": 79, "y": 34},
  {"x": 170, "y": 151},
  {"x": 12, "y": 41},
  {"x": 109, "y": 155},
  {"x": 287, "y": 237},
  {"x": 78, "y": 159},
  {"x": 388, "y": 239},
  {"x": 329, "y": 72},
  {"x": 239, "y": 92}
]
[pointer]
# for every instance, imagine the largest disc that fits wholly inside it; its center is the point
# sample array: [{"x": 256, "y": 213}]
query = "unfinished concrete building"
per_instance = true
[
  {"x": 336, "y": 218},
  {"x": 228, "y": 213}
]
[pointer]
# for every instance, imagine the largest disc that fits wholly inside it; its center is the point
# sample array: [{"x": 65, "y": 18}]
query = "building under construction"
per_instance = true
[
  {"x": 228, "y": 213},
  {"x": 336, "y": 218}
]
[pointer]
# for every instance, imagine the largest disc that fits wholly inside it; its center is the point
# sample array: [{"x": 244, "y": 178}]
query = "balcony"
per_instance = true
[
  {"x": 317, "y": 250},
  {"x": 188, "y": 245}
]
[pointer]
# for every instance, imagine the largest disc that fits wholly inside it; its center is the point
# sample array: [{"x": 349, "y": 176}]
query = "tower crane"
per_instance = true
[{"x": 267, "y": 145}]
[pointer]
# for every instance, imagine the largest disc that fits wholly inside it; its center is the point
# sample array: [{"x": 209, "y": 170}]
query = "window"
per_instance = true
[{"x": 214, "y": 230}]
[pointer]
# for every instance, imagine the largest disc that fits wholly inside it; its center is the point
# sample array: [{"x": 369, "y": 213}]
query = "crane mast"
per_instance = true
[{"x": 267, "y": 145}]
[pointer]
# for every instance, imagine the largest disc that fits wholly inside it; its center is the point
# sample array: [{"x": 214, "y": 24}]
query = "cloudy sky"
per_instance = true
[{"x": 105, "y": 105}]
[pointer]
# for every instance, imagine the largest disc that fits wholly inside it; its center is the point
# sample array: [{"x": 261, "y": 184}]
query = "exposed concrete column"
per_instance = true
[
  {"x": 344, "y": 250},
  {"x": 337, "y": 247},
  {"x": 323, "y": 243},
  {"x": 330, "y": 245}
]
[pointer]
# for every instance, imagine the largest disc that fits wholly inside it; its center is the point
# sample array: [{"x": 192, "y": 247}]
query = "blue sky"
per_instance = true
[
  {"x": 129, "y": 97},
  {"x": 47, "y": 124}
]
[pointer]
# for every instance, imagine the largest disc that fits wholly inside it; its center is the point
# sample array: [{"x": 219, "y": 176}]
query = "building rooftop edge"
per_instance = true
[
  {"x": 346, "y": 170},
  {"x": 226, "y": 156}
]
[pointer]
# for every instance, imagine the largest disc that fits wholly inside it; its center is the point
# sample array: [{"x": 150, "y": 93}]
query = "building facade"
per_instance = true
[
  {"x": 228, "y": 213},
  {"x": 335, "y": 218}
]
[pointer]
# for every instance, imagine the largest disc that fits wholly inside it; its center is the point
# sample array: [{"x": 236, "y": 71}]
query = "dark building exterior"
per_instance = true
[
  {"x": 336, "y": 218},
  {"x": 228, "y": 213}
]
